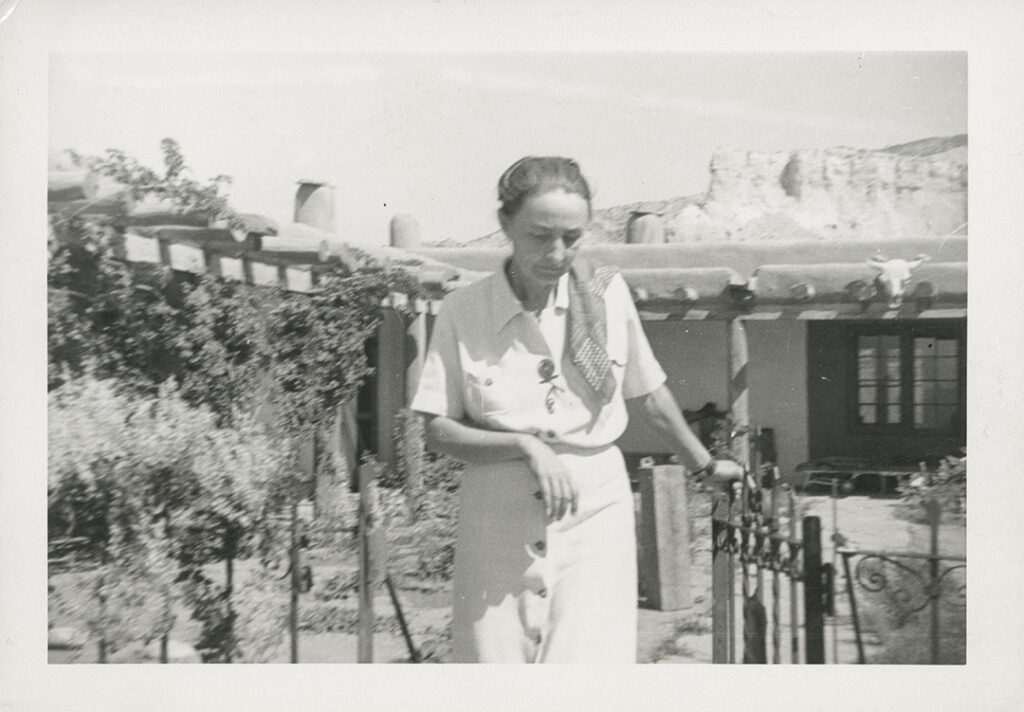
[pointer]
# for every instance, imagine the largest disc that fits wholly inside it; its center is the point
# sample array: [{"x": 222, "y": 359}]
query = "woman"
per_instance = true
[{"x": 525, "y": 380}]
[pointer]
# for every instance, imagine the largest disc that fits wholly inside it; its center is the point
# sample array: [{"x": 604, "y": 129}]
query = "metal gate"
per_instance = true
[
  {"x": 914, "y": 582},
  {"x": 752, "y": 540}
]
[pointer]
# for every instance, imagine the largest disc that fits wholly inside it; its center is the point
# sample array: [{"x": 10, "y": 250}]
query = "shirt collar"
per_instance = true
[{"x": 505, "y": 305}]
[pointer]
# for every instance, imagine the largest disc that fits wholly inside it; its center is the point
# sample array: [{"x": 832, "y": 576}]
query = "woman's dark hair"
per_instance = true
[{"x": 539, "y": 174}]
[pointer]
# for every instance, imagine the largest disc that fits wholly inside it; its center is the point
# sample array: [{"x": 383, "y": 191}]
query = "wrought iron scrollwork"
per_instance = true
[
  {"x": 755, "y": 544},
  {"x": 911, "y": 592}
]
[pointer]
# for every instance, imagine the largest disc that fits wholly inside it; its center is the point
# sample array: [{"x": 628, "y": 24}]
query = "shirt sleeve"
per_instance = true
[
  {"x": 643, "y": 373},
  {"x": 440, "y": 388}
]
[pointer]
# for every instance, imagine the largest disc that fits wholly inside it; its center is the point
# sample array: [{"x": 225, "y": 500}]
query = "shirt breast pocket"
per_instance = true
[{"x": 489, "y": 394}]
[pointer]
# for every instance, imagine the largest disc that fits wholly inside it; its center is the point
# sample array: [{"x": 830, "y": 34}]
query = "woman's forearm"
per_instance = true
[
  {"x": 664, "y": 414},
  {"x": 475, "y": 445}
]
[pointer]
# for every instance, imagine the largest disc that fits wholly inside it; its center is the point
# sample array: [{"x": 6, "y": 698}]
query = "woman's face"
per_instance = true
[{"x": 546, "y": 234}]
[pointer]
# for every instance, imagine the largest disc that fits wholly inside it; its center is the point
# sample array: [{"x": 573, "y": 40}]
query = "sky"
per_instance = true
[{"x": 428, "y": 133}]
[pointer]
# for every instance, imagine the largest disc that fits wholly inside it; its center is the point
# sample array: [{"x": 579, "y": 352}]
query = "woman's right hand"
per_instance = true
[{"x": 557, "y": 486}]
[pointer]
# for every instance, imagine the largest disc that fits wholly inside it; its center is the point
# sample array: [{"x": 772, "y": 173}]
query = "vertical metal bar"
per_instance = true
[
  {"x": 739, "y": 410},
  {"x": 794, "y": 618},
  {"x": 835, "y": 540},
  {"x": 853, "y": 608},
  {"x": 229, "y": 586},
  {"x": 759, "y": 520},
  {"x": 102, "y": 598},
  {"x": 934, "y": 516},
  {"x": 720, "y": 573},
  {"x": 731, "y": 589},
  {"x": 293, "y": 555},
  {"x": 814, "y": 614},
  {"x": 773, "y": 529},
  {"x": 414, "y": 654}
]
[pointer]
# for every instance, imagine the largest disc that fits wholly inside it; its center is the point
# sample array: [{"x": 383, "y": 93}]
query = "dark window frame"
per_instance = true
[{"x": 906, "y": 332}]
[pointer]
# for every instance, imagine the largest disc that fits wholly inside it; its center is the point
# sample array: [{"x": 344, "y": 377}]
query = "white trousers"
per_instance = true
[{"x": 527, "y": 590}]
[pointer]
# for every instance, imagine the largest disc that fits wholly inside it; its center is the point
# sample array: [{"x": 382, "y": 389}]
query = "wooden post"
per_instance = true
[
  {"x": 417, "y": 332},
  {"x": 665, "y": 537},
  {"x": 739, "y": 395},
  {"x": 372, "y": 558},
  {"x": 412, "y": 435},
  {"x": 390, "y": 381},
  {"x": 814, "y": 593}
]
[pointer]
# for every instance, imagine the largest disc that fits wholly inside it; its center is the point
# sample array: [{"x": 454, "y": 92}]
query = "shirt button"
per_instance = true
[
  {"x": 549, "y": 434},
  {"x": 540, "y": 545},
  {"x": 489, "y": 382},
  {"x": 538, "y": 495},
  {"x": 543, "y": 593}
]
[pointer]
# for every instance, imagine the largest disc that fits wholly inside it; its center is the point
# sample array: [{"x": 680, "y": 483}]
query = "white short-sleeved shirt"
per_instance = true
[{"x": 484, "y": 355}]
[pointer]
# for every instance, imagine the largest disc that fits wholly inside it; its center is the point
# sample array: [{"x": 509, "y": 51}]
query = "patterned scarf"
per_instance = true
[{"x": 588, "y": 326}]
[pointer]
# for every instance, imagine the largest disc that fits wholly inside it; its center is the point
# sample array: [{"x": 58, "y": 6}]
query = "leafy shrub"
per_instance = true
[
  {"x": 159, "y": 491},
  {"x": 260, "y": 608},
  {"x": 947, "y": 486}
]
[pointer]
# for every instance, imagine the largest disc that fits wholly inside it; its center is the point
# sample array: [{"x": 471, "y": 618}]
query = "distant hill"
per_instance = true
[
  {"x": 906, "y": 190},
  {"x": 928, "y": 146}
]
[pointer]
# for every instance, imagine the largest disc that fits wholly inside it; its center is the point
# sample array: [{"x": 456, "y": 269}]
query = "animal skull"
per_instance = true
[{"x": 893, "y": 276}]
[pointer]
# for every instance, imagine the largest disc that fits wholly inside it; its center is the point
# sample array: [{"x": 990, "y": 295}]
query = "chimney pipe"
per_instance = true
[{"x": 314, "y": 205}]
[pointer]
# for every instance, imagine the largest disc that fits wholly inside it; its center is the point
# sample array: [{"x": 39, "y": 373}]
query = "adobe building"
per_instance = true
[{"x": 821, "y": 294}]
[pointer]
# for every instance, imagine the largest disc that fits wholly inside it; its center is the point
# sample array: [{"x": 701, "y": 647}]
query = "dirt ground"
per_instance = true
[{"x": 666, "y": 637}]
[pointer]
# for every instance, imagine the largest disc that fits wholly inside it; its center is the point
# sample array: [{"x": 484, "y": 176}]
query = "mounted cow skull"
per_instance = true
[{"x": 893, "y": 276}]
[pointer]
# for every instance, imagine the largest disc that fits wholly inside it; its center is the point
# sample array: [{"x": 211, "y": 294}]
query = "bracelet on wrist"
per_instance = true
[{"x": 707, "y": 471}]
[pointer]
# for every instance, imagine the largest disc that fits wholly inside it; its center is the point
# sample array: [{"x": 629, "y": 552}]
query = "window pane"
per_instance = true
[
  {"x": 867, "y": 347},
  {"x": 924, "y": 346},
  {"x": 945, "y": 416},
  {"x": 927, "y": 369},
  {"x": 867, "y": 370},
  {"x": 924, "y": 393},
  {"x": 946, "y": 393},
  {"x": 935, "y": 376},
  {"x": 946, "y": 369},
  {"x": 946, "y": 347},
  {"x": 892, "y": 369},
  {"x": 925, "y": 416}
]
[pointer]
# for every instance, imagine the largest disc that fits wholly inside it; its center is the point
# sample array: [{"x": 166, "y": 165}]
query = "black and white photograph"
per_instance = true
[{"x": 390, "y": 352}]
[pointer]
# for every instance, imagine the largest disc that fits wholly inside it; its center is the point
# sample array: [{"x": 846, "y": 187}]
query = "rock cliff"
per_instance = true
[
  {"x": 913, "y": 190},
  {"x": 900, "y": 192}
]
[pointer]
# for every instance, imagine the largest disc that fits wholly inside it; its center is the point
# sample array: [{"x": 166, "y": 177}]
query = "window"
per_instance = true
[{"x": 908, "y": 378}]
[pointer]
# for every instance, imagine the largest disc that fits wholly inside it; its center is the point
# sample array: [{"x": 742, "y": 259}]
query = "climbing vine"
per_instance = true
[{"x": 180, "y": 366}]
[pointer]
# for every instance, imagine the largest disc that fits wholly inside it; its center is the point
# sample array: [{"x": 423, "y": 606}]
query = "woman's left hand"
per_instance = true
[{"x": 729, "y": 473}]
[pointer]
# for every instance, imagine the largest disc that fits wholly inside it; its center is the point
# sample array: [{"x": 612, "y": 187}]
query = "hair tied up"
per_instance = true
[{"x": 532, "y": 175}]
